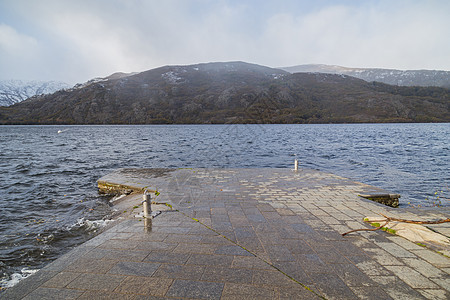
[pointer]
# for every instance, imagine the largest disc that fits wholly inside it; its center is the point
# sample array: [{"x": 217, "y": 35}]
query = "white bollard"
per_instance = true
[
  {"x": 296, "y": 165},
  {"x": 146, "y": 204}
]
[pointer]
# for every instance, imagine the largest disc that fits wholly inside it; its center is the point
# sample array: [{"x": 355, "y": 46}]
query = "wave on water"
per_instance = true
[
  {"x": 15, "y": 278},
  {"x": 90, "y": 225},
  {"x": 85, "y": 225}
]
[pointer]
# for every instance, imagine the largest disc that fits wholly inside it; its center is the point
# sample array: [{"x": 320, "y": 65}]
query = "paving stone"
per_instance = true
[
  {"x": 331, "y": 257},
  {"x": 279, "y": 253},
  {"x": 362, "y": 242},
  {"x": 382, "y": 257},
  {"x": 404, "y": 243},
  {"x": 170, "y": 229},
  {"x": 273, "y": 278},
  {"x": 91, "y": 266},
  {"x": 370, "y": 293},
  {"x": 89, "y": 295},
  {"x": 270, "y": 238},
  {"x": 423, "y": 267},
  {"x": 150, "y": 245},
  {"x": 232, "y": 250},
  {"x": 351, "y": 275},
  {"x": 125, "y": 255},
  {"x": 97, "y": 282},
  {"x": 302, "y": 228},
  {"x": 154, "y": 236},
  {"x": 433, "y": 258},
  {"x": 195, "y": 248},
  {"x": 144, "y": 286},
  {"x": 183, "y": 238},
  {"x": 180, "y": 271},
  {"x": 299, "y": 246},
  {"x": 435, "y": 294},
  {"x": 220, "y": 274},
  {"x": 195, "y": 289},
  {"x": 332, "y": 287},
  {"x": 134, "y": 268},
  {"x": 298, "y": 293},
  {"x": 214, "y": 239},
  {"x": 252, "y": 245},
  {"x": 167, "y": 257},
  {"x": 119, "y": 244},
  {"x": 245, "y": 291},
  {"x": 396, "y": 288},
  {"x": 210, "y": 260},
  {"x": 60, "y": 280},
  {"x": 396, "y": 250},
  {"x": 444, "y": 282},
  {"x": 53, "y": 293},
  {"x": 294, "y": 270},
  {"x": 312, "y": 263},
  {"x": 243, "y": 233},
  {"x": 250, "y": 262}
]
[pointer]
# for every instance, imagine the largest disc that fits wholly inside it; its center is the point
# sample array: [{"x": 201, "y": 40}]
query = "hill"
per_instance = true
[
  {"x": 388, "y": 76},
  {"x": 232, "y": 92}
]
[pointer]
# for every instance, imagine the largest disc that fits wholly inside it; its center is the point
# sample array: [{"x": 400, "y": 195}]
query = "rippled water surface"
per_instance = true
[{"x": 49, "y": 201}]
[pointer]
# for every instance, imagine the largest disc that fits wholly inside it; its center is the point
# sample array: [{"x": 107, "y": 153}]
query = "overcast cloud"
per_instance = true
[{"x": 77, "y": 40}]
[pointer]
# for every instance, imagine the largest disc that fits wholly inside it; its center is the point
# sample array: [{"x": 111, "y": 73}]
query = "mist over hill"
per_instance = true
[
  {"x": 231, "y": 92},
  {"x": 388, "y": 76}
]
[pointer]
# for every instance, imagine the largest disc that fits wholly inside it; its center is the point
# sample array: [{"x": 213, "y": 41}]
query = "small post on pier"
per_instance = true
[
  {"x": 295, "y": 165},
  {"x": 146, "y": 204}
]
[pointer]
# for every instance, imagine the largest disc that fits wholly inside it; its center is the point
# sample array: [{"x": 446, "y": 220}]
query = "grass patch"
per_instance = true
[{"x": 375, "y": 224}]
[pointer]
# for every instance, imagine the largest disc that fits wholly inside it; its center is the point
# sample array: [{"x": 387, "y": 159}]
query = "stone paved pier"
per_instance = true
[{"x": 245, "y": 234}]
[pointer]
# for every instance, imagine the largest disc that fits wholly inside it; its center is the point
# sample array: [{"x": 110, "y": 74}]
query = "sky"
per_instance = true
[{"x": 77, "y": 40}]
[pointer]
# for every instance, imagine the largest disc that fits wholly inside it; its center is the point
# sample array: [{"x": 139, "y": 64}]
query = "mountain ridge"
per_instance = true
[
  {"x": 230, "y": 92},
  {"x": 438, "y": 78}
]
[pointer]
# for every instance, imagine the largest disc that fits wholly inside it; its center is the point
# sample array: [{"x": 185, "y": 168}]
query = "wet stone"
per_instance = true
[
  {"x": 134, "y": 268},
  {"x": 98, "y": 282},
  {"x": 180, "y": 272},
  {"x": 232, "y": 250},
  {"x": 196, "y": 289},
  {"x": 53, "y": 293}
]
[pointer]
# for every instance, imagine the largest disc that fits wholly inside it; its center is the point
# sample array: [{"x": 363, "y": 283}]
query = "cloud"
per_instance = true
[
  {"x": 12, "y": 41},
  {"x": 363, "y": 36},
  {"x": 78, "y": 40},
  {"x": 17, "y": 51}
]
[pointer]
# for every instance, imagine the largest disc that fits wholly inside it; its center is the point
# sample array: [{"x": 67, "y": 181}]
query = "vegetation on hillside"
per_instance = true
[{"x": 232, "y": 93}]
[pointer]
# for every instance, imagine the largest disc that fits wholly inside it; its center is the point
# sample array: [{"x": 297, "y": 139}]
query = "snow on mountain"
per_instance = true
[
  {"x": 15, "y": 91},
  {"x": 389, "y": 76}
]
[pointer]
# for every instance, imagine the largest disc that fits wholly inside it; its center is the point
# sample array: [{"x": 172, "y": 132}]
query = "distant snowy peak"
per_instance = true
[
  {"x": 15, "y": 91},
  {"x": 389, "y": 76}
]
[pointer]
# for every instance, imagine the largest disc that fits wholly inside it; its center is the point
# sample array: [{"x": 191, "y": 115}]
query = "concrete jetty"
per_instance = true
[{"x": 246, "y": 234}]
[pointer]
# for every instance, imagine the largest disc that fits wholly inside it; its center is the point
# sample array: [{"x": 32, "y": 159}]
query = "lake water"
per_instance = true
[{"x": 48, "y": 196}]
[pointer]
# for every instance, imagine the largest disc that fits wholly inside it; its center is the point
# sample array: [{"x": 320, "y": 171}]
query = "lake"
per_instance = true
[{"x": 49, "y": 201}]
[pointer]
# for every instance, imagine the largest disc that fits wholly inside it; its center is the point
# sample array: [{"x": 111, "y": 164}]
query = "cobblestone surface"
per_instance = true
[{"x": 247, "y": 233}]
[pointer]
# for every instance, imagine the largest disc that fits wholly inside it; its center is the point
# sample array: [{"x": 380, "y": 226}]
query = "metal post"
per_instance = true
[
  {"x": 147, "y": 225},
  {"x": 146, "y": 204},
  {"x": 296, "y": 165}
]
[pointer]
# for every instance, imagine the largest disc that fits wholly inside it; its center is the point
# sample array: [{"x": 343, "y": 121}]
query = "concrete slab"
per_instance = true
[{"x": 244, "y": 233}]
